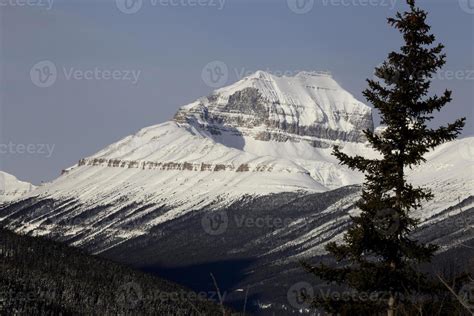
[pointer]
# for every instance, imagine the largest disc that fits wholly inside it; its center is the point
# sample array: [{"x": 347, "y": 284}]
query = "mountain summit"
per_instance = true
[{"x": 309, "y": 107}]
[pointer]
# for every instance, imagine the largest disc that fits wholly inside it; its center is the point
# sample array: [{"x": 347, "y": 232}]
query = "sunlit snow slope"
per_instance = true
[{"x": 11, "y": 188}]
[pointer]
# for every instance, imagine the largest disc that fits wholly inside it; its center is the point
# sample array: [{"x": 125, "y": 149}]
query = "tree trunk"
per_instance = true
[
  {"x": 391, "y": 300},
  {"x": 391, "y": 306}
]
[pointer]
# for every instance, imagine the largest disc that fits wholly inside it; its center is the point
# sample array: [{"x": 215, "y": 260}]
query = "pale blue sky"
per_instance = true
[{"x": 167, "y": 46}]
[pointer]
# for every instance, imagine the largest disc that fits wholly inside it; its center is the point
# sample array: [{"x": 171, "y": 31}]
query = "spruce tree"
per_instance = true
[{"x": 377, "y": 256}]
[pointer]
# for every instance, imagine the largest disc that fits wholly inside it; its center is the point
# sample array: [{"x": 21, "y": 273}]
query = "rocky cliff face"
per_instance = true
[{"x": 309, "y": 107}]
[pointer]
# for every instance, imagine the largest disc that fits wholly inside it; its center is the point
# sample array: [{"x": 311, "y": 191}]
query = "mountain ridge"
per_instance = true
[{"x": 11, "y": 188}]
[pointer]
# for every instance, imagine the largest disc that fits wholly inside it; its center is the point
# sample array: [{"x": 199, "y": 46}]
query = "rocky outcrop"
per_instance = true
[
  {"x": 269, "y": 108},
  {"x": 181, "y": 166}
]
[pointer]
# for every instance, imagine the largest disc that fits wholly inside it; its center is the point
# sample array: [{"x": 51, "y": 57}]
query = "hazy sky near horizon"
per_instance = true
[{"x": 118, "y": 71}]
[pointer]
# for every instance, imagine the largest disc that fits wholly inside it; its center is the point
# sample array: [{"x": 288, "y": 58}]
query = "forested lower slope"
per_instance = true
[{"x": 41, "y": 277}]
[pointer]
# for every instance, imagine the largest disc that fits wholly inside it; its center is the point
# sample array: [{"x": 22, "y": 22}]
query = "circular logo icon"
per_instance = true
[
  {"x": 215, "y": 223},
  {"x": 467, "y": 295},
  {"x": 215, "y": 74},
  {"x": 129, "y": 295},
  {"x": 300, "y": 294},
  {"x": 387, "y": 221},
  {"x": 43, "y": 74},
  {"x": 466, "y": 151},
  {"x": 467, "y": 6},
  {"x": 129, "y": 6},
  {"x": 300, "y": 6}
]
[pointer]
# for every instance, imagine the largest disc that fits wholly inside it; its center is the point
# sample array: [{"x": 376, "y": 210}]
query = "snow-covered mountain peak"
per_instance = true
[
  {"x": 11, "y": 188},
  {"x": 310, "y": 106},
  {"x": 305, "y": 89},
  {"x": 307, "y": 75}
]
